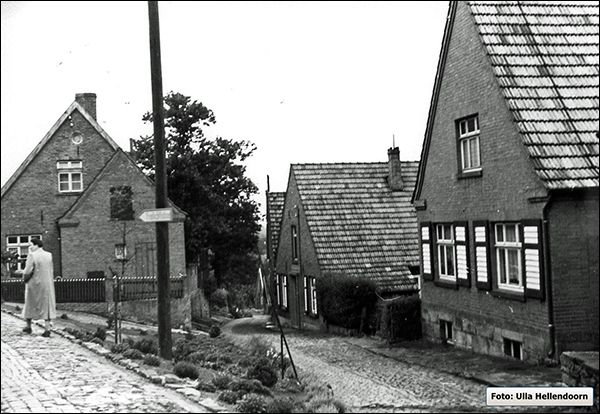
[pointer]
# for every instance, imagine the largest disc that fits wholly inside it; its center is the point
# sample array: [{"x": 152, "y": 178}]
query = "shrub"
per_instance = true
[
  {"x": 252, "y": 404},
  {"x": 146, "y": 345},
  {"x": 100, "y": 333},
  {"x": 196, "y": 357},
  {"x": 284, "y": 405},
  {"x": 218, "y": 298},
  {"x": 221, "y": 381},
  {"x": 184, "y": 369},
  {"x": 264, "y": 373},
  {"x": 214, "y": 331},
  {"x": 230, "y": 397},
  {"x": 182, "y": 348},
  {"x": 342, "y": 299},
  {"x": 152, "y": 360},
  {"x": 249, "y": 386},
  {"x": 119, "y": 348},
  {"x": 258, "y": 346},
  {"x": 132, "y": 353},
  {"x": 225, "y": 359}
]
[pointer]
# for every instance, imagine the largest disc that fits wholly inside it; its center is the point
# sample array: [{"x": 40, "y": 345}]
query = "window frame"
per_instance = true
[
  {"x": 445, "y": 244},
  {"x": 502, "y": 250},
  {"x": 466, "y": 162},
  {"x": 446, "y": 331},
  {"x": 295, "y": 246},
  {"x": 68, "y": 169},
  {"x": 17, "y": 248},
  {"x": 513, "y": 349},
  {"x": 284, "y": 293}
]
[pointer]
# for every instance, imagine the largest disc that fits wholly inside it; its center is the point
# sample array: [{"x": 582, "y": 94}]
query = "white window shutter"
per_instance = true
[
  {"x": 532, "y": 258},
  {"x": 482, "y": 255},
  {"x": 462, "y": 253}
]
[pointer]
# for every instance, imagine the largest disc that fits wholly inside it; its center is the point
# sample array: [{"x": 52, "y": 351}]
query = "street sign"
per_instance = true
[{"x": 157, "y": 214}]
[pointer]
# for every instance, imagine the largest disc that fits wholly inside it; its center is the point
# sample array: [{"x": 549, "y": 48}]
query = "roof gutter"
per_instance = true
[{"x": 548, "y": 267}]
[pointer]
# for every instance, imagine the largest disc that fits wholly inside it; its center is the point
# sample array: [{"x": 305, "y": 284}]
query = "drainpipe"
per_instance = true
[{"x": 548, "y": 267}]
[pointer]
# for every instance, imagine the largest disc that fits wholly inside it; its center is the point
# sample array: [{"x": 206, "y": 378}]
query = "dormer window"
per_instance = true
[
  {"x": 468, "y": 142},
  {"x": 70, "y": 176}
]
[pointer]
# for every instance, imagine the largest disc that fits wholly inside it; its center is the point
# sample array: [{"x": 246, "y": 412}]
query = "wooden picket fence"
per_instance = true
[{"x": 94, "y": 290}]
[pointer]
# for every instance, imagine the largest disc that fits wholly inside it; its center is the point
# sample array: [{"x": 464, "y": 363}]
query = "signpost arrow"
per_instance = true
[{"x": 157, "y": 214}]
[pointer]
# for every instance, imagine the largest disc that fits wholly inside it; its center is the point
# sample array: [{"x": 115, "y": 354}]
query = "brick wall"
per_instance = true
[
  {"x": 574, "y": 254},
  {"x": 33, "y": 203},
  {"x": 90, "y": 245},
  {"x": 308, "y": 256},
  {"x": 469, "y": 87}
]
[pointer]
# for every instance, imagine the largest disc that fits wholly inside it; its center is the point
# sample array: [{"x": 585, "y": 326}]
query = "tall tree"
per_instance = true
[{"x": 206, "y": 178}]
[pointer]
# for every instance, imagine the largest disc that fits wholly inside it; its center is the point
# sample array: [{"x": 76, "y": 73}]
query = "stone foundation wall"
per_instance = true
[{"x": 580, "y": 369}]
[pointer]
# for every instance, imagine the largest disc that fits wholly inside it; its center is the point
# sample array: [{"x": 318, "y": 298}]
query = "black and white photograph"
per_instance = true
[{"x": 300, "y": 206}]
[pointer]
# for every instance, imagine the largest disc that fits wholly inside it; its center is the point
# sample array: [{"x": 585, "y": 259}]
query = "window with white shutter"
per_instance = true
[
  {"x": 482, "y": 259},
  {"x": 462, "y": 254},
  {"x": 532, "y": 258},
  {"x": 426, "y": 253}
]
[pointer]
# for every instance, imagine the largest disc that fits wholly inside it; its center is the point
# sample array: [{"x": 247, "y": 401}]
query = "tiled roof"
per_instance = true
[
  {"x": 546, "y": 57},
  {"x": 275, "y": 203},
  {"x": 358, "y": 225}
]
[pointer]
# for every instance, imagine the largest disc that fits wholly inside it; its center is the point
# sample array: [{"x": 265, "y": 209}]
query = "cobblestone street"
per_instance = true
[
  {"x": 372, "y": 383},
  {"x": 58, "y": 375},
  {"x": 54, "y": 375}
]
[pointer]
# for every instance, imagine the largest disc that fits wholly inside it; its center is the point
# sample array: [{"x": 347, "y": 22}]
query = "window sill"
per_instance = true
[
  {"x": 470, "y": 174},
  {"x": 448, "y": 284},
  {"x": 507, "y": 294}
]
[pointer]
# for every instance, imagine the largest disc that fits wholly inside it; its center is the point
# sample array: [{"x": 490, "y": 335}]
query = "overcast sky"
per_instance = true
[{"x": 305, "y": 81}]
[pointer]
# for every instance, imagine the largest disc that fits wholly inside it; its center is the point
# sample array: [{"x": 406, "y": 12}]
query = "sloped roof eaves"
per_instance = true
[
  {"x": 546, "y": 56},
  {"x": 179, "y": 213},
  {"x": 74, "y": 106},
  {"x": 357, "y": 224},
  {"x": 275, "y": 204}
]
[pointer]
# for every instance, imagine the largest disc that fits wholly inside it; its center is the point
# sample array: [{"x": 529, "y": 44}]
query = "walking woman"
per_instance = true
[{"x": 40, "y": 301}]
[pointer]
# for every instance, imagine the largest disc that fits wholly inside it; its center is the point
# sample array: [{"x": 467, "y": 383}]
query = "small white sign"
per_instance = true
[
  {"x": 539, "y": 396},
  {"x": 157, "y": 214}
]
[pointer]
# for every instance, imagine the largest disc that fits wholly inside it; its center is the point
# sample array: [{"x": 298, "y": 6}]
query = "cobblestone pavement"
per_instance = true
[
  {"x": 55, "y": 375},
  {"x": 368, "y": 382}
]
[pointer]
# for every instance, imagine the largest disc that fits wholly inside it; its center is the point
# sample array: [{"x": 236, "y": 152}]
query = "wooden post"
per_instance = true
[{"x": 162, "y": 228}]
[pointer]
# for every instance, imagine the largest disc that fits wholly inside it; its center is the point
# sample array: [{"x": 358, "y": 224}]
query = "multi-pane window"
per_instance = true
[
  {"x": 468, "y": 139},
  {"x": 20, "y": 246},
  {"x": 445, "y": 250},
  {"x": 310, "y": 296},
  {"x": 70, "y": 176},
  {"x": 295, "y": 251},
  {"x": 508, "y": 256}
]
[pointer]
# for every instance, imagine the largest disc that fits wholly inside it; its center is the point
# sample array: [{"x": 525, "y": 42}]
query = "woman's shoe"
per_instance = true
[
  {"x": 27, "y": 330},
  {"x": 46, "y": 334}
]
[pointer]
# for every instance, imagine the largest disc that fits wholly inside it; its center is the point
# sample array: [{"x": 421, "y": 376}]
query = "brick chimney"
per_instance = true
[
  {"x": 87, "y": 102},
  {"x": 394, "y": 169}
]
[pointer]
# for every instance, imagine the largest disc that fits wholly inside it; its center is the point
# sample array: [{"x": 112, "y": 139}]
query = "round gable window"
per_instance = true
[{"x": 77, "y": 138}]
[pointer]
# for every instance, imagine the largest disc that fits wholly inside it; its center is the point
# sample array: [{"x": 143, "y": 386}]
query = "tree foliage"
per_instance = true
[{"x": 206, "y": 178}]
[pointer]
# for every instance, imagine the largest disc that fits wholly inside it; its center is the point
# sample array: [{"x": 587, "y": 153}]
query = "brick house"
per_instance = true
[
  {"x": 507, "y": 188},
  {"x": 347, "y": 218},
  {"x": 82, "y": 195}
]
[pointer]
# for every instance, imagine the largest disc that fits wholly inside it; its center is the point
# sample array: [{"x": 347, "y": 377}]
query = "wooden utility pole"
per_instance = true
[{"x": 162, "y": 228}]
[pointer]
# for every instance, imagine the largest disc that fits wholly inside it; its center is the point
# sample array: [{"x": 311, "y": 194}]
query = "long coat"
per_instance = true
[{"x": 40, "y": 301}]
